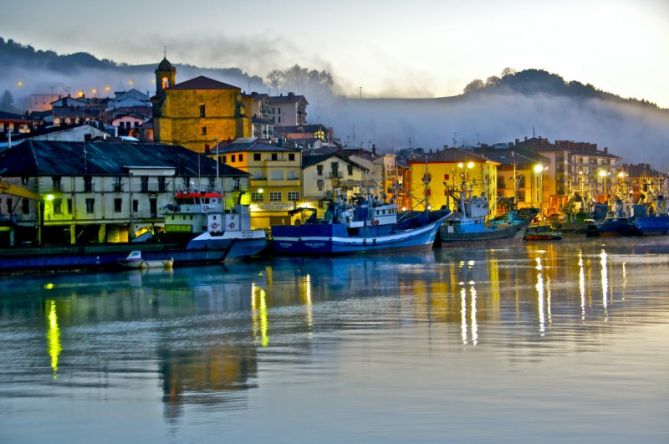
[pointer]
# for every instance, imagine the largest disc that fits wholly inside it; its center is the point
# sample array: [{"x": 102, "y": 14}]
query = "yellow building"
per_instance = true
[
  {"x": 197, "y": 113},
  {"x": 434, "y": 179},
  {"x": 275, "y": 182}
]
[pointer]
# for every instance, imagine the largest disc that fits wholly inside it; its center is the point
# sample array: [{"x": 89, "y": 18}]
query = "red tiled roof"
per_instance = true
[{"x": 202, "y": 82}]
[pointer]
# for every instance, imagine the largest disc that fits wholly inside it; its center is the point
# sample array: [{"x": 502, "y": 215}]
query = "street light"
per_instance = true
[{"x": 538, "y": 170}]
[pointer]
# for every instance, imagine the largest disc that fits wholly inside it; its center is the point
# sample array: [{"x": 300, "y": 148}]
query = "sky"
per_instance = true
[{"x": 380, "y": 48}]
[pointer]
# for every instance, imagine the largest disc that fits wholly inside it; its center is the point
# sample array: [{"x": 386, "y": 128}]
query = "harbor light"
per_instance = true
[
  {"x": 538, "y": 168},
  {"x": 621, "y": 175},
  {"x": 603, "y": 173},
  {"x": 470, "y": 164},
  {"x": 49, "y": 197},
  {"x": 260, "y": 190},
  {"x": 461, "y": 165}
]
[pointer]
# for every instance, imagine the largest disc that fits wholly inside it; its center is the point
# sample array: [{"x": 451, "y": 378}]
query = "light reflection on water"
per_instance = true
[{"x": 553, "y": 342}]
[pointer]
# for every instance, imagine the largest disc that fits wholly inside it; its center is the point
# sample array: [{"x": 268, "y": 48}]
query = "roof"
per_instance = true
[
  {"x": 311, "y": 128},
  {"x": 11, "y": 116},
  {"x": 289, "y": 98},
  {"x": 251, "y": 145},
  {"x": 450, "y": 155},
  {"x": 165, "y": 65},
  {"x": 509, "y": 156},
  {"x": 310, "y": 160},
  {"x": 50, "y": 158},
  {"x": 202, "y": 82}
]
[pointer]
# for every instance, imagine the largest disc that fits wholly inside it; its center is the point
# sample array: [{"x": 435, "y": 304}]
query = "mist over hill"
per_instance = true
[{"x": 500, "y": 109}]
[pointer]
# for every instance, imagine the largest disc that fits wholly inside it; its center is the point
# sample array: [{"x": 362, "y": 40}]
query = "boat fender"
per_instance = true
[
  {"x": 231, "y": 225},
  {"x": 214, "y": 226}
]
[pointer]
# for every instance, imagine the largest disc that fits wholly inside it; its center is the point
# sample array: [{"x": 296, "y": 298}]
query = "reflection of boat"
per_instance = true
[
  {"x": 135, "y": 260},
  {"x": 469, "y": 224},
  {"x": 363, "y": 227},
  {"x": 541, "y": 232}
]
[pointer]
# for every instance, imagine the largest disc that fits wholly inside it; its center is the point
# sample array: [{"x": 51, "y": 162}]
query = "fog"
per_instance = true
[{"x": 635, "y": 132}]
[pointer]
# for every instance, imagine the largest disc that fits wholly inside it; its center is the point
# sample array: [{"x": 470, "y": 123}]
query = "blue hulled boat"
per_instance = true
[{"x": 362, "y": 228}]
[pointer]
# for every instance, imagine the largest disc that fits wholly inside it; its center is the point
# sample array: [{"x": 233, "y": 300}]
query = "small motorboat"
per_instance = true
[
  {"x": 135, "y": 260},
  {"x": 541, "y": 232}
]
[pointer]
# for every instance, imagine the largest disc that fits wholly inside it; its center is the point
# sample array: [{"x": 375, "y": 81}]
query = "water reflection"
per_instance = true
[{"x": 208, "y": 335}]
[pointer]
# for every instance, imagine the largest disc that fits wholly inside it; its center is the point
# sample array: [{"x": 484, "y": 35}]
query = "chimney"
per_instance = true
[{"x": 374, "y": 149}]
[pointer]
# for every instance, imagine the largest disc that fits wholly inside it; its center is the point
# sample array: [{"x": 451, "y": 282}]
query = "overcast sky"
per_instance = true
[{"x": 419, "y": 48}]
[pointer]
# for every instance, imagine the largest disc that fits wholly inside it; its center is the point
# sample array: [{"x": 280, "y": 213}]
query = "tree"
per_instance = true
[
  {"x": 492, "y": 81},
  {"x": 474, "y": 85},
  {"x": 7, "y": 102},
  {"x": 298, "y": 79},
  {"x": 508, "y": 72}
]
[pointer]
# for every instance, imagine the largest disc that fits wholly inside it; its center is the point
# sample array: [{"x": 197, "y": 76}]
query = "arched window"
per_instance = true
[{"x": 165, "y": 82}]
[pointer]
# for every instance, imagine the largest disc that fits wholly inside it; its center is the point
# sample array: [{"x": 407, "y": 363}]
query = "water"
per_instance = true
[{"x": 550, "y": 342}]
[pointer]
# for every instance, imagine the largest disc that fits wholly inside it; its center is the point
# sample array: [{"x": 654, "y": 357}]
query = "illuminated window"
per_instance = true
[
  {"x": 165, "y": 83},
  {"x": 275, "y": 196}
]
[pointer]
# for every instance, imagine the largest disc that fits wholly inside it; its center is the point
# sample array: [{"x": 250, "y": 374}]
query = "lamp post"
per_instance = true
[{"x": 538, "y": 175}]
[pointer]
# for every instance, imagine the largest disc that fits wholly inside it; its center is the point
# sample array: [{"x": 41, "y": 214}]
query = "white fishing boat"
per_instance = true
[{"x": 135, "y": 260}]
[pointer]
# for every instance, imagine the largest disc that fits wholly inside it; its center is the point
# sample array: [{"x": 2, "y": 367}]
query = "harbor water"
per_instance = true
[{"x": 501, "y": 343}]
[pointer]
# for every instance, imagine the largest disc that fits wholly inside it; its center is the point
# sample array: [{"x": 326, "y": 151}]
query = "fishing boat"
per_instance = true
[
  {"x": 541, "y": 233},
  {"x": 136, "y": 261},
  {"x": 469, "y": 223},
  {"x": 362, "y": 227}
]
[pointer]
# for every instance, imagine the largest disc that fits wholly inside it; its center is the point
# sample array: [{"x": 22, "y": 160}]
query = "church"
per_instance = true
[{"x": 197, "y": 113}]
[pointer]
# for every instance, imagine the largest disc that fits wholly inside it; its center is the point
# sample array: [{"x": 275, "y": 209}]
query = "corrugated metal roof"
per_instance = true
[{"x": 51, "y": 158}]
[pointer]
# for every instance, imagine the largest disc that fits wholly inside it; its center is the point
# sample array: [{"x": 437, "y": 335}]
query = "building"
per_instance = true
[
  {"x": 436, "y": 178},
  {"x": 575, "y": 168},
  {"x": 522, "y": 179},
  {"x": 197, "y": 113},
  {"x": 288, "y": 110},
  {"x": 640, "y": 183},
  {"x": 98, "y": 192},
  {"x": 71, "y": 111},
  {"x": 275, "y": 178},
  {"x": 75, "y": 133},
  {"x": 11, "y": 123},
  {"x": 323, "y": 174}
]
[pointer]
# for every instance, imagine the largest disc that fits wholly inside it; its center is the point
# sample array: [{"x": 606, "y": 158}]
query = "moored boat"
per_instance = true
[
  {"x": 541, "y": 233},
  {"x": 136, "y": 261},
  {"x": 362, "y": 228}
]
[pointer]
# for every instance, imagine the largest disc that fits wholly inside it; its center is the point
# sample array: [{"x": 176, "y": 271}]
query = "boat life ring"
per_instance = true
[
  {"x": 214, "y": 226},
  {"x": 375, "y": 222},
  {"x": 231, "y": 225}
]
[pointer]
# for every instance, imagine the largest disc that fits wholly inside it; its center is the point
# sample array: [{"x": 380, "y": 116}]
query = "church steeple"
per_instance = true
[{"x": 166, "y": 76}]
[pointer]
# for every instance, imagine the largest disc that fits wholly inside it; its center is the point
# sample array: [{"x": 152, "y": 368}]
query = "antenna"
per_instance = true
[{"x": 165, "y": 52}]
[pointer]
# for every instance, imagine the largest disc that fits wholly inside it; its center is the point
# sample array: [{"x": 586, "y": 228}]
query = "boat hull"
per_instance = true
[
  {"x": 332, "y": 239},
  {"x": 110, "y": 256},
  {"x": 652, "y": 225}
]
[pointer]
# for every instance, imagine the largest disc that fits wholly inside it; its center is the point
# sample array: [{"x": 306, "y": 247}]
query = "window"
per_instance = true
[
  {"x": 25, "y": 204},
  {"x": 257, "y": 156},
  {"x": 241, "y": 158},
  {"x": 58, "y": 206},
  {"x": 279, "y": 118},
  {"x": 135, "y": 206},
  {"x": 277, "y": 175},
  {"x": 232, "y": 159},
  {"x": 256, "y": 197},
  {"x": 203, "y": 111},
  {"x": 223, "y": 159},
  {"x": 118, "y": 204},
  {"x": 349, "y": 167},
  {"x": 69, "y": 206},
  {"x": 161, "y": 185},
  {"x": 335, "y": 169},
  {"x": 320, "y": 183},
  {"x": 24, "y": 180},
  {"x": 275, "y": 156},
  {"x": 291, "y": 156},
  {"x": 56, "y": 183},
  {"x": 90, "y": 206},
  {"x": 319, "y": 169},
  {"x": 292, "y": 175},
  {"x": 88, "y": 184},
  {"x": 165, "y": 83},
  {"x": 204, "y": 130},
  {"x": 10, "y": 207},
  {"x": 117, "y": 184},
  {"x": 275, "y": 196},
  {"x": 293, "y": 196},
  {"x": 145, "y": 184}
]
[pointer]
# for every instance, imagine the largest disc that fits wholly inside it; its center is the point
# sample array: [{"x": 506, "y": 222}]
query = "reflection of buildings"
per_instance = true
[{"x": 205, "y": 375}]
